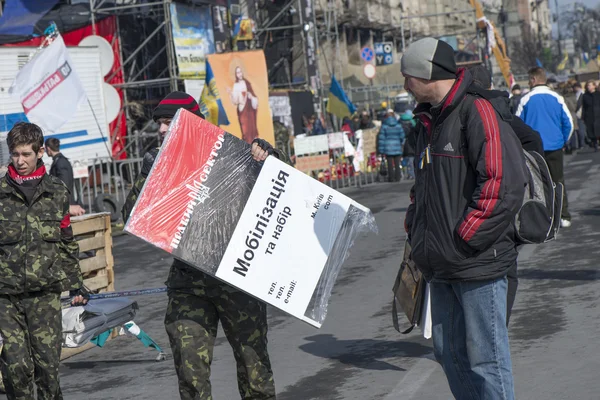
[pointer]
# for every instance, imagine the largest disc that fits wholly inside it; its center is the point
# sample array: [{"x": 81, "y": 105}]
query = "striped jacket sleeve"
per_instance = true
[{"x": 493, "y": 152}]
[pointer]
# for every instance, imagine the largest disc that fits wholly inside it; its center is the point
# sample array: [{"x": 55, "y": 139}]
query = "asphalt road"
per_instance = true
[{"x": 357, "y": 355}]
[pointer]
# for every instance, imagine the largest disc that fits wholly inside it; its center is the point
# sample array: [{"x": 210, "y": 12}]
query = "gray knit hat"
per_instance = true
[{"x": 429, "y": 59}]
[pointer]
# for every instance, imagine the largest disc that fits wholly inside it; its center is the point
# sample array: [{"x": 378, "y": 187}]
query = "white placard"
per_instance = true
[
  {"x": 280, "y": 106},
  {"x": 336, "y": 140},
  {"x": 283, "y": 238},
  {"x": 311, "y": 145},
  {"x": 80, "y": 169},
  {"x": 194, "y": 87}
]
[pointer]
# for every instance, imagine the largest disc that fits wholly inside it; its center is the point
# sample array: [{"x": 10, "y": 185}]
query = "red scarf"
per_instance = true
[{"x": 38, "y": 174}]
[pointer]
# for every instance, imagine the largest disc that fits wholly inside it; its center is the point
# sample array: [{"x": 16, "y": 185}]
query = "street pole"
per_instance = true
[
  {"x": 402, "y": 33},
  {"x": 558, "y": 28},
  {"x": 92, "y": 14},
  {"x": 303, "y": 34},
  {"x": 171, "y": 56},
  {"x": 504, "y": 19}
]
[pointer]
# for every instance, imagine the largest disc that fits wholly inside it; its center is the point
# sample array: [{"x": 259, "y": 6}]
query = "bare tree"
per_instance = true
[
  {"x": 581, "y": 23},
  {"x": 526, "y": 51}
]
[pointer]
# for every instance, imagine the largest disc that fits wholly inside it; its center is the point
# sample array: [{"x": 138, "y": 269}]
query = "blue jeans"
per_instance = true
[{"x": 470, "y": 338}]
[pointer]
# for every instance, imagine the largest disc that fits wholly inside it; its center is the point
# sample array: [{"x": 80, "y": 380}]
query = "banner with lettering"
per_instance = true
[
  {"x": 49, "y": 88},
  {"x": 193, "y": 38},
  {"x": 262, "y": 227}
]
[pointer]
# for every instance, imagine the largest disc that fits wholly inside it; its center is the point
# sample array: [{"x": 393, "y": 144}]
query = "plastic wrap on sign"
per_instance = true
[{"x": 262, "y": 227}]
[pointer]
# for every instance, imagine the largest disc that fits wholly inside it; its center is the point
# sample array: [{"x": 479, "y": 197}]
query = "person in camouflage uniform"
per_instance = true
[
  {"x": 39, "y": 261},
  {"x": 197, "y": 301}
]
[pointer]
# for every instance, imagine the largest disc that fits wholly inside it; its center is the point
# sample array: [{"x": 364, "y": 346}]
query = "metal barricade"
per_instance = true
[{"x": 108, "y": 177}]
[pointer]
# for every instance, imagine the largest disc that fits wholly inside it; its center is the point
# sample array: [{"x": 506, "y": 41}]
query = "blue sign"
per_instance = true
[
  {"x": 384, "y": 53},
  {"x": 7, "y": 121},
  {"x": 367, "y": 54}
]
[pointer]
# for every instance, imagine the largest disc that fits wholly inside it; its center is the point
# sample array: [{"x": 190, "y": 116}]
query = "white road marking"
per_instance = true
[
  {"x": 413, "y": 380},
  {"x": 582, "y": 162}
]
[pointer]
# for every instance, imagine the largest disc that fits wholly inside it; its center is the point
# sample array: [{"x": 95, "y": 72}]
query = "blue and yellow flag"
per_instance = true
[
  {"x": 563, "y": 63},
  {"x": 210, "y": 101},
  {"x": 338, "y": 103}
]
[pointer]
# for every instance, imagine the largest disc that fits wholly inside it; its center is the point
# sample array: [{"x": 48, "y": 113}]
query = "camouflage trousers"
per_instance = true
[
  {"x": 191, "y": 323},
  {"x": 31, "y": 326}
]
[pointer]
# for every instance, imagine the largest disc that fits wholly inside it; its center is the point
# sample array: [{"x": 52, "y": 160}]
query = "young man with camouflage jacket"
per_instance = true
[
  {"x": 197, "y": 301},
  {"x": 39, "y": 261}
]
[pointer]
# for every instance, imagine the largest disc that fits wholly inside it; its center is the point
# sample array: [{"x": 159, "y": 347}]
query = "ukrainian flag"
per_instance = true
[
  {"x": 563, "y": 63},
  {"x": 338, "y": 103},
  {"x": 210, "y": 101}
]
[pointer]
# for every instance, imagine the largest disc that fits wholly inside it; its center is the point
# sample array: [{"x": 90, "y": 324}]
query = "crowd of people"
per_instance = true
[{"x": 463, "y": 146}]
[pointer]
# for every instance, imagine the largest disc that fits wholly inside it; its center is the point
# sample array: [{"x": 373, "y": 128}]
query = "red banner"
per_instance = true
[{"x": 199, "y": 181}]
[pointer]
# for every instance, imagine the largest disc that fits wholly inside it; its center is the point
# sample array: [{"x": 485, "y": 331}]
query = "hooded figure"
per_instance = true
[{"x": 391, "y": 139}]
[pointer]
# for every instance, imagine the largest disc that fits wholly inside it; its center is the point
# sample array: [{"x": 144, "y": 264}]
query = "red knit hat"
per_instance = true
[{"x": 173, "y": 102}]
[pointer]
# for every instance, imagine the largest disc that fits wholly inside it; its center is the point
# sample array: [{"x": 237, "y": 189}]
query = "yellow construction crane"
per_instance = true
[{"x": 499, "y": 50}]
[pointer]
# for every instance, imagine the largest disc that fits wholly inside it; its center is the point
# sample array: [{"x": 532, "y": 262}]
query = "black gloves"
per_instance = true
[
  {"x": 263, "y": 144},
  {"x": 149, "y": 158},
  {"x": 79, "y": 292}
]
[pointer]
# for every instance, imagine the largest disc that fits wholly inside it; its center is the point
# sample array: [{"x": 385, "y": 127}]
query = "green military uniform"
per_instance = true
[
  {"x": 197, "y": 302},
  {"x": 39, "y": 261}
]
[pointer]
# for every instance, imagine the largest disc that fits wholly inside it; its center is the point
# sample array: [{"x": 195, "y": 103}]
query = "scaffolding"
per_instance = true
[{"x": 149, "y": 66}]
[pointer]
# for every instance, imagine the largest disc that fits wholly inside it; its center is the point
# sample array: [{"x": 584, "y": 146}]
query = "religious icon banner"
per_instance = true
[{"x": 242, "y": 81}]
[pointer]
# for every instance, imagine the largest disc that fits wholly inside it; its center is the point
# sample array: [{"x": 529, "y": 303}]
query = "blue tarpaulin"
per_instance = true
[{"x": 20, "y": 16}]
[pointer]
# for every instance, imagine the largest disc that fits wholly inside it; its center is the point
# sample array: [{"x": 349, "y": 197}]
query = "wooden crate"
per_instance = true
[{"x": 93, "y": 233}]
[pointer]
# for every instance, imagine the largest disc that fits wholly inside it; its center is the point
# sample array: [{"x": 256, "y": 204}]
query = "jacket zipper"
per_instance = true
[{"x": 426, "y": 159}]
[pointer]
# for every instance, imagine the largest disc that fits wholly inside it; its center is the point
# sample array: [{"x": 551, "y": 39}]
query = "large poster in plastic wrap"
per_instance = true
[{"x": 262, "y": 227}]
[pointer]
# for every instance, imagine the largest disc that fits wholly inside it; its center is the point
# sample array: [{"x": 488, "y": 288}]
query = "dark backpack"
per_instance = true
[{"x": 538, "y": 219}]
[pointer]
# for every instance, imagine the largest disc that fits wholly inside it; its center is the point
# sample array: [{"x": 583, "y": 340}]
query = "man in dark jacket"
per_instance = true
[
  {"x": 366, "y": 122},
  {"x": 529, "y": 138},
  {"x": 391, "y": 138},
  {"x": 197, "y": 301},
  {"x": 515, "y": 98},
  {"x": 63, "y": 170},
  {"x": 39, "y": 261},
  {"x": 530, "y": 141},
  {"x": 469, "y": 186}
]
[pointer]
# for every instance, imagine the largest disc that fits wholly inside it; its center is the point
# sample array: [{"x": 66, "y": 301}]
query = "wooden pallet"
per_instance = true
[{"x": 93, "y": 233}]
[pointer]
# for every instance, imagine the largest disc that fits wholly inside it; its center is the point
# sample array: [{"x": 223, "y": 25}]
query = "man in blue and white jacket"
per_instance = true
[{"x": 546, "y": 112}]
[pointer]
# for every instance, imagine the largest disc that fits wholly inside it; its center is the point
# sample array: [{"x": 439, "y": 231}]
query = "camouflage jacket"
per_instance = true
[
  {"x": 36, "y": 241},
  {"x": 181, "y": 276}
]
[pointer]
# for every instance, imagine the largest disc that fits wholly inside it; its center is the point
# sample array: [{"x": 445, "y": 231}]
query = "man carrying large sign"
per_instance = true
[
  {"x": 237, "y": 223},
  {"x": 197, "y": 301}
]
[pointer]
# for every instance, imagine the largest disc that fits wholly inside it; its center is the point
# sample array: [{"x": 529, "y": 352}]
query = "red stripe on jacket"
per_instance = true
[
  {"x": 460, "y": 75},
  {"x": 66, "y": 222},
  {"x": 493, "y": 168},
  {"x": 187, "y": 100}
]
